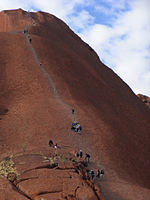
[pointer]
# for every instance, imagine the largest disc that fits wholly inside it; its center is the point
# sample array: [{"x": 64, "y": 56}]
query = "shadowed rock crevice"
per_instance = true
[
  {"x": 46, "y": 192},
  {"x": 25, "y": 179},
  {"x": 17, "y": 189},
  {"x": 59, "y": 168},
  {"x": 3, "y": 111},
  {"x": 84, "y": 174},
  {"x": 49, "y": 166}
]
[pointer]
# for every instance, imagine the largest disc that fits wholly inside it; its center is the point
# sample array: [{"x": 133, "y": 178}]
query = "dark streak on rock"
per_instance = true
[
  {"x": 20, "y": 191},
  {"x": 59, "y": 168},
  {"x": 42, "y": 167},
  {"x": 46, "y": 192},
  {"x": 83, "y": 173},
  {"x": 25, "y": 179}
]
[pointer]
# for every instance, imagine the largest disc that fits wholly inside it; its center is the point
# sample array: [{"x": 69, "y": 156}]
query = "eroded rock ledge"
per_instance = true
[{"x": 47, "y": 175}]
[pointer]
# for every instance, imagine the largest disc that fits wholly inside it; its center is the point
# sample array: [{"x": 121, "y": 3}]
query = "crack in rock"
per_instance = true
[
  {"x": 25, "y": 179},
  {"x": 83, "y": 172},
  {"x": 46, "y": 192},
  {"x": 59, "y": 168},
  {"x": 42, "y": 167},
  {"x": 20, "y": 191}
]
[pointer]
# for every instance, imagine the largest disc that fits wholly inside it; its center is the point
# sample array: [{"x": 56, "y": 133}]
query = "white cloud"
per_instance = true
[
  {"x": 61, "y": 8},
  {"x": 81, "y": 20},
  {"x": 112, "y": 7},
  {"x": 8, "y": 4},
  {"x": 125, "y": 45}
]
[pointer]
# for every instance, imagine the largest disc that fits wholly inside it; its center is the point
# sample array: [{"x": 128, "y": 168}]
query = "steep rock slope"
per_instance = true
[{"x": 43, "y": 78}]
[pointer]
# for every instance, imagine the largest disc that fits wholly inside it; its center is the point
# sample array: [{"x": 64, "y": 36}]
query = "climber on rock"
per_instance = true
[
  {"x": 81, "y": 153},
  {"x": 72, "y": 110},
  {"x": 56, "y": 146},
  {"x": 77, "y": 154},
  {"x": 76, "y": 127},
  {"x": 51, "y": 143},
  {"x": 87, "y": 158},
  {"x": 102, "y": 173},
  {"x": 92, "y": 174},
  {"x": 98, "y": 173}
]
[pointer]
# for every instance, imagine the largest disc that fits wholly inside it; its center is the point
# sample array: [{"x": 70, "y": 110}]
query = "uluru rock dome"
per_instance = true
[{"x": 45, "y": 71}]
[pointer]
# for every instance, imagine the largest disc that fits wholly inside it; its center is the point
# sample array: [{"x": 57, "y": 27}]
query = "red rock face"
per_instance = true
[
  {"x": 48, "y": 176},
  {"x": 44, "y": 73},
  {"x": 13, "y": 20},
  {"x": 145, "y": 99}
]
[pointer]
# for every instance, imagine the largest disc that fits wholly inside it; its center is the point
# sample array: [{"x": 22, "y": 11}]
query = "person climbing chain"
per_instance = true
[
  {"x": 72, "y": 110},
  {"x": 81, "y": 153}
]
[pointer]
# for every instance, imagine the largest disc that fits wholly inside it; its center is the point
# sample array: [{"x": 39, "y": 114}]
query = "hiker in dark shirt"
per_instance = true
[
  {"x": 87, "y": 158},
  {"x": 72, "y": 111},
  {"x": 77, "y": 154},
  {"x": 92, "y": 174},
  {"x": 98, "y": 173},
  {"x": 81, "y": 153},
  {"x": 51, "y": 143},
  {"x": 102, "y": 173}
]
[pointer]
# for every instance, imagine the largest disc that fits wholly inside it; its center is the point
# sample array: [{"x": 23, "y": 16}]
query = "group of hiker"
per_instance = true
[
  {"x": 77, "y": 128},
  {"x": 30, "y": 40},
  {"x": 76, "y": 125},
  {"x": 80, "y": 155},
  {"x": 91, "y": 174},
  {"x": 26, "y": 31}
]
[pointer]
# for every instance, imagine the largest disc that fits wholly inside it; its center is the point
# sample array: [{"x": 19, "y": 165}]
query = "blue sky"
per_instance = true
[{"x": 117, "y": 30}]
